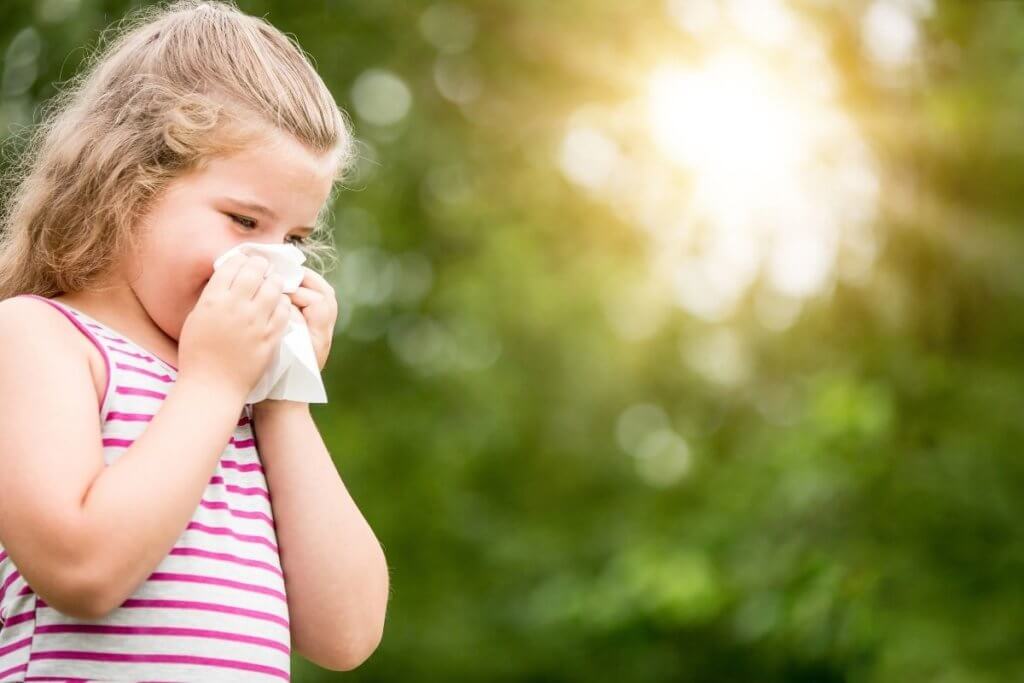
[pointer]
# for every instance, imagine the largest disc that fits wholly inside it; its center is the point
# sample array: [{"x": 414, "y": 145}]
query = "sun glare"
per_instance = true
[
  {"x": 777, "y": 172},
  {"x": 729, "y": 121},
  {"x": 755, "y": 176}
]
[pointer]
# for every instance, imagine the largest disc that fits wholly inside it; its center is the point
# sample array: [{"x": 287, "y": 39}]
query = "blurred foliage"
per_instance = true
[{"x": 833, "y": 499}]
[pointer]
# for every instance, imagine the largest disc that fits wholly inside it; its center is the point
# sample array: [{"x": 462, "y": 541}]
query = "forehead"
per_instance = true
[{"x": 276, "y": 169}]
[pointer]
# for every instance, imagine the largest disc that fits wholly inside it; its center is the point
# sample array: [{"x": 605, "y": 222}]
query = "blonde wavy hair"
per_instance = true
[{"x": 175, "y": 85}]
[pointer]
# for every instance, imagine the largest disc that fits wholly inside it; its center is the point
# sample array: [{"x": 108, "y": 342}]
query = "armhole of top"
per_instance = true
[{"x": 96, "y": 342}]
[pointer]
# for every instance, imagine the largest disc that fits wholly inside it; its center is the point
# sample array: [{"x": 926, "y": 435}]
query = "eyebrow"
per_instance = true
[{"x": 255, "y": 207}]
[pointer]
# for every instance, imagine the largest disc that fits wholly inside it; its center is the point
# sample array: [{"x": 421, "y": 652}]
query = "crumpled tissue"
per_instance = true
[{"x": 293, "y": 374}]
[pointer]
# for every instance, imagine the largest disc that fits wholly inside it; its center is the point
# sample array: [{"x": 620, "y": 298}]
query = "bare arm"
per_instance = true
[{"x": 335, "y": 571}]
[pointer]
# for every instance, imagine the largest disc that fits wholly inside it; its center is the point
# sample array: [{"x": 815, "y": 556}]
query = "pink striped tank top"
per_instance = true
[{"x": 213, "y": 610}]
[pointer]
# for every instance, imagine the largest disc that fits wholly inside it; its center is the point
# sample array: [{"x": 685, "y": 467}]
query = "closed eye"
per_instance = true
[
  {"x": 239, "y": 219},
  {"x": 251, "y": 225}
]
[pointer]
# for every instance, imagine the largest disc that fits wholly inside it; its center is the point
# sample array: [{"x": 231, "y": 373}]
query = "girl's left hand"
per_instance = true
[{"x": 318, "y": 305}]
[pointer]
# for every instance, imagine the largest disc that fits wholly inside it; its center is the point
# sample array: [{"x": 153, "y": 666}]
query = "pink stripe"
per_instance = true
[
  {"x": 145, "y": 417},
  {"x": 224, "y": 531},
  {"x": 154, "y": 603},
  {"x": 7, "y": 583},
  {"x": 247, "y": 467},
  {"x": 164, "y": 630},
  {"x": 160, "y": 659},
  {"x": 14, "y": 670},
  {"x": 16, "y": 645},
  {"x": 119, "y": 340},
  {"x": 139, "y": 391},
  {"x": 214, "y": 581},
  {"x": 3, "y": 555},
  {"x": 207, "y": 606},
  {"x": 132, "y": 354},
  {"x": 246, "y": 514},
  {"x": 129, "y": 417},
  {"x": 244, "y": 421},
  {"x": 16, "y": 619},
  {"x": 27, "y": 589},
  {"x": 236, "y": 512},
  {"x": 125, "y": 417},
  {"x": 227, "y": 557},
  {"x": 143, "y": 371},
  {"x": 243, "y": 443},
  {"x": 248, "y": 490},
  {"x": 243, "y": 490}
]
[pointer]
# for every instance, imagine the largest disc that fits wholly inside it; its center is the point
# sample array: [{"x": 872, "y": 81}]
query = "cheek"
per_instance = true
[
  {"x": 201, "y": 269},
  {"x": 201, "y": 263}
]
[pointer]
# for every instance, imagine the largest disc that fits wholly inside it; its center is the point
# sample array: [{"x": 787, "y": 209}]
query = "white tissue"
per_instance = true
[{"x": 293, "y": 374}]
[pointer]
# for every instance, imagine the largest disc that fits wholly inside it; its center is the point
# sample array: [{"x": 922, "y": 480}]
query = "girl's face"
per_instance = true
[{"x": 205, "y": 213}]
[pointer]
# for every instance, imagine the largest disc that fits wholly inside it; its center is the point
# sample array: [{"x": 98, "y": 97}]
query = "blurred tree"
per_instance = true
[{"x": 575, "y": 473}]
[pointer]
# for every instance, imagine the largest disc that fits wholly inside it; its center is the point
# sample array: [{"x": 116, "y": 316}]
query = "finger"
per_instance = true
[
  {"x": 224, "y": 275},
  {"x": 304, "y": 296},
  {"x": 315, "y": 281},
  {"x": 250, "y": 277},
  {"x": 318, "y": 283},
  {"x": 269, "y": 293},
  {"x": 279, "y": 318}
]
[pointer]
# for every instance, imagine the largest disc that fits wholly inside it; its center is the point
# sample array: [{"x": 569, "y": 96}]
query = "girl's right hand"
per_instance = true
[{"x": 233, "y": 332}]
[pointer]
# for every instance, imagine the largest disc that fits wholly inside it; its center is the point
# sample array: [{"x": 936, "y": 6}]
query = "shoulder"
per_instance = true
[
  {"x": 24, "y": 317},
  {"x": 34, "y": 327}
]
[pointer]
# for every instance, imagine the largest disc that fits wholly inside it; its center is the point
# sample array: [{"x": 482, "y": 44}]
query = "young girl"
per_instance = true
[{"x": 153, "y": 525}]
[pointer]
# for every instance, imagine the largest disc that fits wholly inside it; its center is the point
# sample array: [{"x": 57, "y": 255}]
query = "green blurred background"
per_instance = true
[{"x": 678, "y": 341}]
